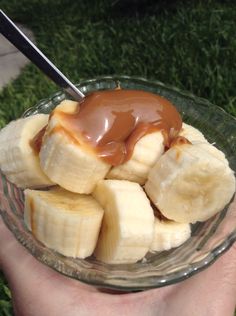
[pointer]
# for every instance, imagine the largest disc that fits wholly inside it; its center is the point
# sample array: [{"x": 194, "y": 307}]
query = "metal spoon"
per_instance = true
[{"x": 20, "y": 41}]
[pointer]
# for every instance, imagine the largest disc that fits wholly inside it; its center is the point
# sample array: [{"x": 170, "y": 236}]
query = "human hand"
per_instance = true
[{"x": 38, "y": 290}]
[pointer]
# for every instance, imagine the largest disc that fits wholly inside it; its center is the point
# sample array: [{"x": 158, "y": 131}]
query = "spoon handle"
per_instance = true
[{"x": 20, "y": 41}]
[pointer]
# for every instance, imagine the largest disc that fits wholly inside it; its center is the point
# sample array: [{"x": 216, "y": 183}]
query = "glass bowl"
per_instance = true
[{"x": 208, "y": 240}]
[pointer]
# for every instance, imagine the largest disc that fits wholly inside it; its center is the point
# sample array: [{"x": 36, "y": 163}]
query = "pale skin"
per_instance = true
[{"x": 38, "y": 290}]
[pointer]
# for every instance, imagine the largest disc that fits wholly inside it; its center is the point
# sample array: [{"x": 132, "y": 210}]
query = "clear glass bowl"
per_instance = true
[{"x": 209, "y": 239}]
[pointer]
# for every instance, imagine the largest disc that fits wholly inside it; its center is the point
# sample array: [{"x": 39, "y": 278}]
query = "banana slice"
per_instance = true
[
  {"x": 18, "y": 160},
  {"x": 192, "y": 134},
  {"x": 146, "y": 152},
  {"x": 66, "y": 222},
  {"x": 189, "y": 183},
  {"x": 127, "y": 227},
  {"x": 212, "y": 150},
  {"x": 169, "y": 234},
  {"x": 66, "y": 160},
  {"x": 67, "y": 106}
]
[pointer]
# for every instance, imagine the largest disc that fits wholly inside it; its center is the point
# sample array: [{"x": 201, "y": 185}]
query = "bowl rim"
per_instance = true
[{"x": 117, "y": 78}]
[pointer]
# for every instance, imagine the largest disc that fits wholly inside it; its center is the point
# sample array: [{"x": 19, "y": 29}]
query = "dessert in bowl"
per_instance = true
[{"x": 135, "y": 260}]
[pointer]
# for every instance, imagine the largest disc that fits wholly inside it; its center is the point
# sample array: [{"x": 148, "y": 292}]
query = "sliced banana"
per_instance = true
[
  {"x": 18, "y": 160},
  {"x": 212, "y": 150},
  {"x": 189, "y": 183},
  {"x": 128, "y": 222},
  {"x": 169, "y": 234},
  {"x": 192, "y": 134},
  {"x": 66, "y": 222},
  {"x": 66, "y": 160},
  {"x": 67, "y": 106},
  {"x": 146, "y": 152}
]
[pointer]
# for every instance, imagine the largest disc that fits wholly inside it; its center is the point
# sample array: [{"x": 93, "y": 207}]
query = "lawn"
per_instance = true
[{"x": 191, "y": 45}]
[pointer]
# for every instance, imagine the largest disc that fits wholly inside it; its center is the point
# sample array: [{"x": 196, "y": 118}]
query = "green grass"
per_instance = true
[
  {"x": 191, "y": 45},
  {"x": 5, "y": 298}
]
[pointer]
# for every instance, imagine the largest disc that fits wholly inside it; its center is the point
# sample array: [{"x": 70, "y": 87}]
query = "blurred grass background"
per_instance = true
[{"x": 188, "y": 44}]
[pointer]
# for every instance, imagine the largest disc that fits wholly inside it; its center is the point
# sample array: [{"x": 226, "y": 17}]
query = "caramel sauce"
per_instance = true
[
  {"x": 179, "y": 140},
  {"x": 158, "y": 214},
  {"x": 36, "y": 142},
  {"x": 60, "y": 129},
  {"x": 112, "y": 121}
]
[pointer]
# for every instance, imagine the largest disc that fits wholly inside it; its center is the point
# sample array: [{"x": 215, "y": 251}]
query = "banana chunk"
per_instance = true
[
  {"x": 66, "y": 160},
  {"x": 18, "y": 160},
  {"x": 146, "y": 152},
  {"x": 67, "y": 106},
  {"x": 192, "y": 134},
  {"x": 127, "y": 228},
  {"x": 169, "y": 234},
  {"x": 189, "y": 183},
  {"x": 66, "y": 222}
]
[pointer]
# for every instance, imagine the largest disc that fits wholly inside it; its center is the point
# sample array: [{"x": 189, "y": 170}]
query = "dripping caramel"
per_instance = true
[
  {"x": 112, "y": 121},
  {"x": 36, "y": 142},
  {"x": 179, "y": 140}
]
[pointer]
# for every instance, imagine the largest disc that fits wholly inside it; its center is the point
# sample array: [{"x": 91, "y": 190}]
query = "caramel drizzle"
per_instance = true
[
  {"x": 36, "y": 142},
  {"x": 112, "y": 121}
]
